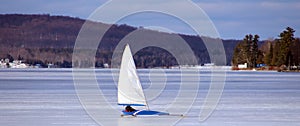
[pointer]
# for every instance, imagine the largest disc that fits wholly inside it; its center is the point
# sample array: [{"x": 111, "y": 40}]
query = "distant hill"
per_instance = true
[{"x": 42, "y": 39}]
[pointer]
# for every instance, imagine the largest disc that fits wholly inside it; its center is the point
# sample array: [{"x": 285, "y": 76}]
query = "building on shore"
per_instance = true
[{"x": 4, "y": 63}]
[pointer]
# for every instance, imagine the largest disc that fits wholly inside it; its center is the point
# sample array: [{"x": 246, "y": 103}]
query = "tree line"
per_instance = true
[{"x": 281, "y": 52}]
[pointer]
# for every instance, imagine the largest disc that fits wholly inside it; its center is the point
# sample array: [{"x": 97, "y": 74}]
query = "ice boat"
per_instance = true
[{"x": 130, "y": 92}]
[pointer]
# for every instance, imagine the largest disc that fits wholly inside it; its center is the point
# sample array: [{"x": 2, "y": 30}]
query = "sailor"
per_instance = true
[{"x": 128, "y": 108}]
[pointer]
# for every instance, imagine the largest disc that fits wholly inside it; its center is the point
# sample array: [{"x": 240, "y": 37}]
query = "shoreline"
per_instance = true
[{"x": 271, "y": 68}]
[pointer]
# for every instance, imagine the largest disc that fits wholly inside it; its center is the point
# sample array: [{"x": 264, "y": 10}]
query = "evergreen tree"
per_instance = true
[
  {"x": 296, "y": 52},
  {"x": 247, "y": 51},
  {"x": 254, "y": 50},
  {"x": 239, "y": 54},
  {"x": 284, "y": 46}
]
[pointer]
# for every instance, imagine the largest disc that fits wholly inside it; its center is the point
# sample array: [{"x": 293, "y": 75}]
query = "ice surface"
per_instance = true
[{"x": 46, "y": 97}]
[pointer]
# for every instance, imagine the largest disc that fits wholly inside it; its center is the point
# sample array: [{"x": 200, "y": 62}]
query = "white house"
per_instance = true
[{"x": 242, "y": 66}]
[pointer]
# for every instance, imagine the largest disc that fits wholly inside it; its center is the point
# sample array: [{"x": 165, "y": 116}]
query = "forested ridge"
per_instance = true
[{"x": 43, "y": 39}]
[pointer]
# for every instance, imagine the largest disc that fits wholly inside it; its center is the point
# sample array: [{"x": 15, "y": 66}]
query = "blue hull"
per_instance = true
[{"x": 144, "y": 112}]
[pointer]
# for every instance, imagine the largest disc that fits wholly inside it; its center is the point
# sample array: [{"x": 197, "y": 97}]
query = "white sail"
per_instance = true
[{"x": 130, "y": 91}]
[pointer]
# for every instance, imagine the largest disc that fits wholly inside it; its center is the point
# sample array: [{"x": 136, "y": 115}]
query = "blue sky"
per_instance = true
[{"x": 232, "y": 18}]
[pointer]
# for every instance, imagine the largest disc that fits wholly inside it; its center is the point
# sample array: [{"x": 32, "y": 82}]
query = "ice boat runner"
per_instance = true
[{"x": 130, "y": 92}]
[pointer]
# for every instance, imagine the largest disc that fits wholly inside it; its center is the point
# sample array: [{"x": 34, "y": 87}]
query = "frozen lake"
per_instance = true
[{"x": 46, "y": 97}]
